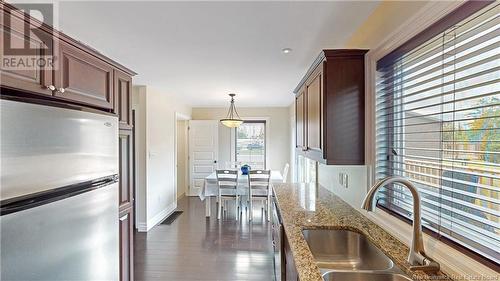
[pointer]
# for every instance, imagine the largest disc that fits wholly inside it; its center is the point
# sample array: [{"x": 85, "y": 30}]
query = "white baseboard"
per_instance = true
[
  {"x": 145, "y": 227},
  {"x": 142, "y": 227}
]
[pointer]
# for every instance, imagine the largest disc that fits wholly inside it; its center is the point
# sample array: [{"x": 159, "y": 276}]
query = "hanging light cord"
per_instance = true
[{"x": 232, "y": 109}]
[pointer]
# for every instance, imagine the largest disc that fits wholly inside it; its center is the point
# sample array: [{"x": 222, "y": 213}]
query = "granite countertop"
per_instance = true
[{"x": 311, "y": 206}]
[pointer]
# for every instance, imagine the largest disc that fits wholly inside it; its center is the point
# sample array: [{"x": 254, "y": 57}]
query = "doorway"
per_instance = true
[{"x": 181, "y": 156}]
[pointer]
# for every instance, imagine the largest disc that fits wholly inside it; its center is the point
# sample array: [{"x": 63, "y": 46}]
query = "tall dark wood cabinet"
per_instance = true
[
  {"x": 123, "y": 108},
  {"x": 330, "y": 109},
  {"x": 80, "y": 76}
]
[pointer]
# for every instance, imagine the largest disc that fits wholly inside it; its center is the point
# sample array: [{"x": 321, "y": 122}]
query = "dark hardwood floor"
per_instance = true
[{"x": 197, "y": 248}]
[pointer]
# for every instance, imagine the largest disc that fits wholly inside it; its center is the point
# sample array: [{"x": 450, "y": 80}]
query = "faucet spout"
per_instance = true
[{"x": 417, "y": 257}]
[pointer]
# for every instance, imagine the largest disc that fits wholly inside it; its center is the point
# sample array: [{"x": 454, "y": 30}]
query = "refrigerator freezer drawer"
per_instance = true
[
  {"x": 71, "y": 239},
  {"x": 45, "y": 147}
]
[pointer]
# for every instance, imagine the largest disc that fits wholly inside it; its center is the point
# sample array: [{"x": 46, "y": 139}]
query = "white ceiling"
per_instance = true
[{"x": 201, "y": 51}]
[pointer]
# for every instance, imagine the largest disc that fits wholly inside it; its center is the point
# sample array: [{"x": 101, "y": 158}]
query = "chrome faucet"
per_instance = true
[{"x": 417, "y": 257}]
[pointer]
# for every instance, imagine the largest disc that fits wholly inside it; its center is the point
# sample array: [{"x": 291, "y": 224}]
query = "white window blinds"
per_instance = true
[{"x": 438, "y": 124}]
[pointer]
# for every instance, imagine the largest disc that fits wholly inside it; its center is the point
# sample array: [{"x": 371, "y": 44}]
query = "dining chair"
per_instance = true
[
  {"x": 259, "y": 180},
  {"x": 285, "y": 172},
  {"x": 227, "y": 182}
]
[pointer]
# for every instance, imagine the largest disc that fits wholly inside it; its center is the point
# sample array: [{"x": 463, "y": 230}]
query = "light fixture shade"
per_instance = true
[
  {"x": 231, "y": 123},
  {"x": 232, "y": 119}
]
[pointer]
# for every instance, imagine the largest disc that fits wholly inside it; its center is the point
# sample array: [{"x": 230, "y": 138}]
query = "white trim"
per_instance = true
[
  {"x": 158, "y": 218},
  {"x": 232, "y": 150},
  {"x": 452, "y": 261}
]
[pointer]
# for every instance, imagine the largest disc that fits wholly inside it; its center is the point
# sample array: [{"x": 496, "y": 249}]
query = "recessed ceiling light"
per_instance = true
[{"x": 286, "y": 50}]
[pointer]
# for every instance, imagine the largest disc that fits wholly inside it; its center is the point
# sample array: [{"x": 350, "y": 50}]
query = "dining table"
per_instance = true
[{"x": 210, "y": 188}]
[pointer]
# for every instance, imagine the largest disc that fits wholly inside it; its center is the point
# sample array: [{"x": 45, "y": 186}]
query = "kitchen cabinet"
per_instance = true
[
  {"x": 125, "y": 144},
  {"x": 33, "y": 77},
  {"x": 330, "y": 109},
  {"x": 300, "y": 121},
  {"x": 126, "y": 245},
  {"x": 314, "y": 95},
  {"x": 123, "y": 99},
  {"x": 291, "y": 273},
  {"x": 83, "y": 78},
  {"x": 78, "y": 74}
]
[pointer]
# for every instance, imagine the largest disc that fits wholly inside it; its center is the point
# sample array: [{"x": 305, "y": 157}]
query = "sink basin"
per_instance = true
[
  {"x": 363, "y": 276},
  {"x": 346, "y": 250}
]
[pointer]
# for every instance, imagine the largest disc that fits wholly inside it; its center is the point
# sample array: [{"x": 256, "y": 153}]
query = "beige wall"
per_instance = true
[
  {"x": 384, "y": 20},
  {"x": 278, "y": 148},
  {"x": 182, "y": 151},
  {"x": 155, "y": 146}
]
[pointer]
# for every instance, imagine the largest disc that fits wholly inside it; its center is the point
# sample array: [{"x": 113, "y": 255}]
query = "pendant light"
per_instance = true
[{"x": 232, "y": 119}]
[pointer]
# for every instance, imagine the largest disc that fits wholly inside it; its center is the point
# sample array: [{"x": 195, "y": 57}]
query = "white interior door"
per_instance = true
[{"x": 203, "y": 152}]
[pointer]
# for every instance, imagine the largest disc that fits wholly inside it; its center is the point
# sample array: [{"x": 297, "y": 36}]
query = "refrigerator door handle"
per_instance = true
[{"x": 22, "y": 203}]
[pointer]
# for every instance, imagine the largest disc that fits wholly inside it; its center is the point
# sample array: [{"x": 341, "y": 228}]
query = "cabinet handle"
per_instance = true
[
  {"x": 51, "y": 87},
  {"x": 124, "y": 217},
  {"x": 61, "y": 90}
]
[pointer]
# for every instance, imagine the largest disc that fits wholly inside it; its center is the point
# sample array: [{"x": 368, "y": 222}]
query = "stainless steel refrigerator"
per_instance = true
[{"x": 58, "y": 193}]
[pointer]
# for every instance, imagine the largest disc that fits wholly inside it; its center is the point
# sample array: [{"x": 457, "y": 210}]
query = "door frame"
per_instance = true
[{"x": 180, "y": 117}]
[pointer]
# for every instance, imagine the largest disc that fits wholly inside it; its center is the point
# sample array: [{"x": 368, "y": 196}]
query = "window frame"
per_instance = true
[
  {"x": 235, "y": 143},
  {"x": 428, "y": 22}
]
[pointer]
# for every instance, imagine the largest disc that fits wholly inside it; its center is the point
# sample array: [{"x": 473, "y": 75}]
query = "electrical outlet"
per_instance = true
[{"x": 343, "y": 180}]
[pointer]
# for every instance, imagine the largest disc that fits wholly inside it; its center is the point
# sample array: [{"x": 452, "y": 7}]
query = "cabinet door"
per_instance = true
[
  {"x": 83, "y": 78},
  {"x": 123, "y": 99},
  {"x": 126, "y": 173},
  {"x": 314, "y": 111},
  {"x": 126, "y": 246},
  {"x": 38, "y": 46},
  {"x": 300, "y": 120},
  {"x": 290, "y": 269}
]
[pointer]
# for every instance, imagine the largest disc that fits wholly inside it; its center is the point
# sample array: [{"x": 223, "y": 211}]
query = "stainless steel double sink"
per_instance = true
[{"x": 348, "y": 255}]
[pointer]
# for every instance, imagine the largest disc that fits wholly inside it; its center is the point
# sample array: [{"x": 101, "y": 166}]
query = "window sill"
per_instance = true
[{"x": 454, "y": 263}]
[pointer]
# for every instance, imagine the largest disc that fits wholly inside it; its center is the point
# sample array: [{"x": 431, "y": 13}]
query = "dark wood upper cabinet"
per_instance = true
[
  {"x": 83, "y": 78},
  {"x": 314, "y": 96},
  {"x": 300, "y": 121},
  {"x": 78, "y": 74},
  {"x": 334, "y": 115},
  {"x": 123, "y": 99},
  {"x": 34, "y": 77}
]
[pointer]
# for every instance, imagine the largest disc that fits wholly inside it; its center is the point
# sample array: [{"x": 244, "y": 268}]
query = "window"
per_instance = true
[
  {"x": 306, "y": 169},
  {"x": 251, "y": 144},
  {"x": 438, "y": 124}
]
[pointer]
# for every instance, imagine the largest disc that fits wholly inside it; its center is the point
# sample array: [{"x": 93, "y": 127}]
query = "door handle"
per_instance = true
[
  {"x": 51, "y": 87},
  {"x": 215, "y": 161}
]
